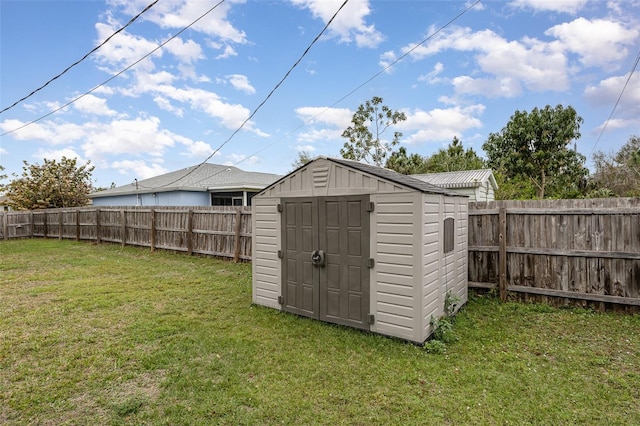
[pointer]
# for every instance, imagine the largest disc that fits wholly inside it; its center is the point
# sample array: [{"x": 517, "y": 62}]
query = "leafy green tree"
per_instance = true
[
  {"x": 617, "y": 174},
  {"x": 535, "y": 147},
  {"x": 406, "y": 164},
  {"x": 303, "y": 158},
  {"x": 53, "y": 184},
  {"x": 368, "y": 125},
  {"x": 2, "y": 177},
  {"x": 453, "y": 159}
]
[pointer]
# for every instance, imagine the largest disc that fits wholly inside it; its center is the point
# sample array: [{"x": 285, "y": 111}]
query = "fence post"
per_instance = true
[
  {"x": 97, "y": 226},
  {"x": 123, "y": 229},
  {"x": 502, "y": 258},
  {"x": 44, "y": 224},
  {"x": 153, "y": 230},
  {"x": 31, "y": 224},
  {"x": 77, "y": 224},
  {"x": 236, "y": 252},
  {"x": 4, "y": 226},
  {"x": 60, "y": 225},
  {"x": 190, "y": 232}
]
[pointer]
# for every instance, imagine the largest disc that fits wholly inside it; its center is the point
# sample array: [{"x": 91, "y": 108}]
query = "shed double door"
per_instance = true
[{"x": 326, "y": 258}]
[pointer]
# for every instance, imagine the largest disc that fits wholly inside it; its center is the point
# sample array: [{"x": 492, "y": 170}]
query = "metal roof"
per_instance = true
[
  {"x": 460, "y": 179},
  {"x": 200, "y": 178}
]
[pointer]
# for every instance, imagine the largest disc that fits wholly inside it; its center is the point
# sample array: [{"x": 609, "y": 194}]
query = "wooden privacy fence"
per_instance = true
[
  {"x": 587, "y": 251},
  {"x": 566, "y": 250},
  {"x": 214, "y": 231}
]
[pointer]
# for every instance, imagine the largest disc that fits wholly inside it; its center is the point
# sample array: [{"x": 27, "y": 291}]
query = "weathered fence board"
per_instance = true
[
  {"x": 584, "y": 252},
  {"x": 215, "y": 231},
  {"x": 560, "y": 251}
]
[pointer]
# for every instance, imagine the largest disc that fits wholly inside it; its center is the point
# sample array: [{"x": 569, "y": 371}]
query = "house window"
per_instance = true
[
  {"x": 449, "y": 234},
  {"x": 232, "y": 198}
]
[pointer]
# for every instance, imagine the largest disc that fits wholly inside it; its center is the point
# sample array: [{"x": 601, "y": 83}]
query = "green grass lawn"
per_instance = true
[{"x": 100, "y": 334}]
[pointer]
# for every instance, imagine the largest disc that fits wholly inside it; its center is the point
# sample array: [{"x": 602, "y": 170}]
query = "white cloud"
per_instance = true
[
  {"x": 439, "y": 124},
  {"x": 57, "y": 154},
  {"x": 187, "y": 52},
  {"x": 227, "y": 53},
  {"x": 324, "y": 124},
  {"x": 241, "y": 82},
  {"x": 432, "y": 77},
  {"x": 598, "y": 42},
  {"x": 606, "y": 93},
  {"x": 91, "y": 104},
  {"x": 141, "y": 136},
  {"x": 349, "y": 25},
  {"x": 236, "y": 159},
  {"x": 138, "y": 168},
  {"x": 164, "y": 104},
  {"x": 336, "y": 117},
  {"x": 123, "y": 49},
  {"x": 305, "y": 148},
  {"x": 320, "y": 135},
  {"x": 197, "y": 149},
  {"x": 180, "y": 13},
  {"x": 508, "y": 66},
  {"x": 47, "y": 131},
  {"x": 230, "y": 115},
  {"x": 566, "y": 6}
]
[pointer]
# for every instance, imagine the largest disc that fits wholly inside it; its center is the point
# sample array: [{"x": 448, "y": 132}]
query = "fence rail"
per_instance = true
[
  {"x": 560, "y": 251},
  {"x": 585, "y": 252},
  {"x": 214, "y": 231}
]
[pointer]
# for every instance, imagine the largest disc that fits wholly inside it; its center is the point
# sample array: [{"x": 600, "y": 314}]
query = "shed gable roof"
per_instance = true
[
  {"x": 377, "y": 172},
  {"x": 200, "y": 178}
]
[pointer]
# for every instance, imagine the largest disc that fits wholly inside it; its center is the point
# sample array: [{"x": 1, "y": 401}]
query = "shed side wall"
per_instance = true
[
  {"x": 455, "y": 262},
  {"x": 432, "y": 244},
  {"x": 395, "y": 244},
  {"x": 266, "y": 267}
]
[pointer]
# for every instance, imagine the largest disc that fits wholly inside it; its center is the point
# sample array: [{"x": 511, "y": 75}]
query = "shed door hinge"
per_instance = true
[
  {"x": 280, "y": 254},
  {"x": 281, "y": 300},
  {"x": 280, "y": 208},
  {"x": 370, "y": 206},
  {"x": 371, "y": 263},
  {"x": 371, "y": 319}
]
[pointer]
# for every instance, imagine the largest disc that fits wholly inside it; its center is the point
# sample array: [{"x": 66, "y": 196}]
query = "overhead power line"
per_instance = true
[
  {"x": 458, "y": 16},
  {"x": 81, "y": 59},
  {"x": 265, "y": 99},
  {"x": 115, "y": 75},
  {"x": 626, "y": 83}
]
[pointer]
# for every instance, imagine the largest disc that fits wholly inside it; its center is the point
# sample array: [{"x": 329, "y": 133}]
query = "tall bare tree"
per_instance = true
[{"x": 365, "y": 134}]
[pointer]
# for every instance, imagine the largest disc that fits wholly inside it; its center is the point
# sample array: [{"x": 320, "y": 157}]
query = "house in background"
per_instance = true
[
  {"x": 202, "y": 185},
  {"x": 4, "y": 204},
  {"x": 479, "y": 185}
]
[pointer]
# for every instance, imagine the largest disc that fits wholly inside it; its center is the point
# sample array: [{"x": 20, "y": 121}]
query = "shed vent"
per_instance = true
[{"x": 320, "y": 177}]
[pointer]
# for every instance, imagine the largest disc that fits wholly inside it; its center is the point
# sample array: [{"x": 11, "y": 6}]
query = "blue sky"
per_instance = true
[{"x": 175, "y": 108}]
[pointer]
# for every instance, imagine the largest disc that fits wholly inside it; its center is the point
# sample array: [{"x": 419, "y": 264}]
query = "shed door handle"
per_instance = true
[{"x": 317, "y": 258}]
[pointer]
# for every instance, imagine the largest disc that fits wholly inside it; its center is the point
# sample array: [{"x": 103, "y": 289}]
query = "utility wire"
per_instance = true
[
  {"x": 635, "y": 65},
  {"x": 81, "y": 59},
  {"x": 351, "y": 92},
  {"x": 115, "y": 75},
  {"x": 265, "y": 99}
]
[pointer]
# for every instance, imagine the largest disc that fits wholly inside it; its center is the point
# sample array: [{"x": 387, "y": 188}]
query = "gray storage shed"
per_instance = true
[{"x": 359, "y": 245}]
